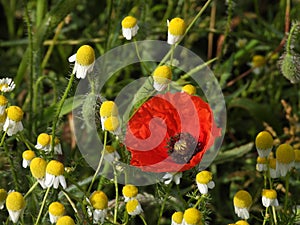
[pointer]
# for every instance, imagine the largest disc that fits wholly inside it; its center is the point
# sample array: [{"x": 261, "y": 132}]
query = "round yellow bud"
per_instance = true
[
  {"x": 285, "y": 154},
  {"x": 162, "y": 74},
  {"x": 85, "y": 55},
  {"x": 130, "y": 191},
  {"x": 132, "y": 205},
  {"x": 108, "y": 108},
  {"x": 204, "y": 177},
  {"x": 261, "y": 160},
  {"x": 258, "y": 61},
  {"x": 57, "y": 209},
  {"x": 15, "y": 113},
  {"x": 177, "y": 217},
  {"x": 189, "y": 89},
  {"x": 192, "y": 216},
  {"x": 242, "y": 199},
  {"x": 272, "y": 163},
  {"x": 3, "y": 100},
  {"x": 55, "y": 168},
  {"x": 177, "y": 26},
  {"x": 43, "y": 139},
  {"x": 99, "y": 200},
  {"x": 269, "y": 193},
  {"x": 264, "y": 140},
  {"x": 129, "y": 22},
  {"x": 15, "y": 201},
  {"x": 242, "y": 222},
  {"x": 65, "y": 220},
  {"x": 38, "y": 167},
  {"x": 28, "y": 155},
  {"x": 111, "y": 123}
]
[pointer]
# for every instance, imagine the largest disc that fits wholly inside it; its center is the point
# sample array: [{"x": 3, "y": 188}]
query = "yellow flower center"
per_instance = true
[
  {"x": 261, "y": 160},
  {"x": 162, "y": 74},
  {"x": 28, "y": 155},
  {"x": 129, "y": 22},
  {"x": 3, "y": 100},
  {"x": 190, "y": 89},
  {"x": 55, "y": 168},
  {"x": 192, "y": 216},
  {"x": 15, "y": 113},
  {"x": 130, "y": 191},
  {"x": 109, "y": 149},
  {"x": 258, "y": 61},
  {"x": 177, "y": 26},
  {"x": 242, "y": 222},
  {"x": 272, "y": 163},
  {"x": 297, "y": 155},
  {"x": 3, "y": 195},
  {"x": 38, "y": 167},
  {"x": 242, "y": 199},
  {"x": 285, "y": 153},
  {"x": 15, "y": 201},
  {"x": 269, "y": 193},
  {"x": 177, "y": 217},
  {"x": 43, "y": 139},
  {"x": 99, "y": 200},
  {"x": 264, "y": 140},
  {"x": 204, "y": 177},
  {"x": 57, "y": 209},
  {"x": 85, "y": 55},
  {"x": 111, "y": 123},
  {"x": 65, "y": 220},
  {"x": 3, "y": 85},
  {"x": 132, "y": 205},
  {"x": 108, "y": 108},
  {"x": 3, "y": 117}
]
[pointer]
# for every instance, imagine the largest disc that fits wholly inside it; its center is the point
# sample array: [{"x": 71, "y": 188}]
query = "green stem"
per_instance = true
[
  {"x": 3, "y": 138},
  {"x": 70, "y": 201},
  {"x": 266, "y": 216},
  {"x": 289, "y": 40},
  {"x": 117, "y": 195},
  {"x": 42, "y": 206},
  {"x": 274, "y": 215},
  {"x": 60, "y": 105},
  {"x": 99, "y": 164},
  {"x": 287, "y": 187},
  {"x": 31, "y": 189},
  {"x": 12, "y": 167},
  {"x": 164, "y": 203},
  {"x": 139, "y": 57},
  {"x": 202, "y": 197},
  {"x": 143, "y": 219}
]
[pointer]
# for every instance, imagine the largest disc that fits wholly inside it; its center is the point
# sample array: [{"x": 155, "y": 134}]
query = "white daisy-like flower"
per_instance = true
[
  {"x": 285, "y": 157},
  {"x": 13, "y": 123},
  {"x": 162, "y": 76},
  {"x": 189, "y": 89},
  {"x": 242, "y": 201},
  {"x": 111, "y": 154},
  {"x": 38, "y": 170},
  {"x": 15, "y": 205},
  {"x": 7, "y": 85},
  {"x": 57, "y": 146},
  {"x": 261, "y": 164},
  {"x": 3, "y": 195},
  {"x": 107, "y": 109},
  {"x": 192, "y": 216},
  {"x": 204, "y": 181},
  {"x": 54, "y": 175},
  {"x": 129, "y": 27},
  {"x": 176, "y": 29},
  {"x": 99, "y": 203},
  {"x": 43, "y": 142},
  {"x": 112, "y": 125},
  {"x": 2, "y": 120},
  {"x": 133, "y": 207},
  {"x": 56, "y": 210},
  {"x": 169, "y": 177},
  {"x": 264, "y": 144},
  {"x": 177, "y": 218},
  {"x": 269, "y": 198},
  {"x": 272, "y": 168},
  {"x": 84, "y": 61},
  {"x": 3, "y": 103},
  {"x": 129, "y": 192},
  {"x": 27, "y": 156}
]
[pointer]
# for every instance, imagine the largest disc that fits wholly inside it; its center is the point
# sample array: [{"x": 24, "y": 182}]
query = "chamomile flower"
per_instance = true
[
  {"x": 65, "y": 220},
  {"x": 99, "y": 202},
  {"x": 2, "y": 120},
  {"x": 15, "y": 205},
  {"x": 241, "y": 222},
  {"x": 107, "y": 109},
  {"x": 112, "y": 125},
  {"x": 43, "y": 142},
  {"x": 297, "y": 158},
  {"x": 3, "y": 103},
  {"x": 84, "y": 61},
  {"x": 7, "y": 85},
  {"x": 177, "y": 218},
  {"x": 111, "y": 154},
  {"x": 162, "y": 76},
  {"x": 133, "y": 207},
  {"x": 269, "y": 198},
  {"x": 13, "y": 123},
  {"x": 169, "y": 177},
  {"x": 242, "y": 201},
  {"x": 190, "y": 89},
  {"x": 38, "y": 170},
  {"x": 261, "y": 164},
  {"x": 274, "y": 173},
  {"x": 192, "y": 216},
  {"x": 3, "y": 195},
  {"x": 129, "y": 27},
  {"x": 54, "y": 174},
  {"x": 129, "y": 192},
  {"x": 27, "y": 156},
  {"x": 57, "y": 146},
  {"x": 258, "y": 63},
  {"x": 56, "y": 210},
  {"x": 176, "y": 29},
  {"x": 264, "y": 143},
  {"x": 285, "y": 157},
  {"x": 204, "y": 181}
]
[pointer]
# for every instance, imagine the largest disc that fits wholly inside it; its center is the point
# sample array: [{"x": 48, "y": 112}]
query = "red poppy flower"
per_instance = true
[{"x": 170, "y": 133}]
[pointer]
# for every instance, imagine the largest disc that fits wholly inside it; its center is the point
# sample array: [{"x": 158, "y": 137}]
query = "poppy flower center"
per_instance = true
[{"x": 182, "y": 147}]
